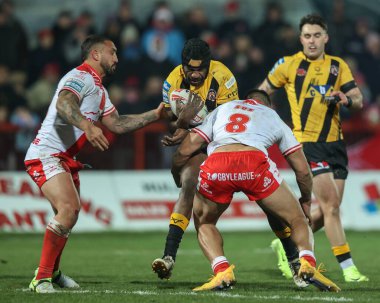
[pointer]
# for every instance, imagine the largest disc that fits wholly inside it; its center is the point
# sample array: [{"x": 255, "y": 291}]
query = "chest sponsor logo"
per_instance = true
[{"x": 318, "y": 90}]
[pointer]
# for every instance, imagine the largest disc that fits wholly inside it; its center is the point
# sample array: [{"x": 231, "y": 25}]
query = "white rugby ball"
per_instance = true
[{"x": 182, "y": 95}]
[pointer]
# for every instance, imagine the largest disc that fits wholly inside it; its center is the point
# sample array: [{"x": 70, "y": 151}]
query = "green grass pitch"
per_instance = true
[{"x": 115, "y": 267}]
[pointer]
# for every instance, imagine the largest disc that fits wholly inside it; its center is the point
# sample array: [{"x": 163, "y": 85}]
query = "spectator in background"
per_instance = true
[
  {"x": 14, "y": 41},
  {"x": 233, "y": 23},
  {"x": 44, "y": 54},
  {"x": 267, "y": 34},
  {"x": 121, "y": 20},
  {"x": 40, "y": 93},
  {"x": 162, "y": 41},
  {"x": 340, "y": 27},
  {"x": 195, "y": 22},
  {"x": 62, "y": 29},
  {"x": 9, "y": 97}
]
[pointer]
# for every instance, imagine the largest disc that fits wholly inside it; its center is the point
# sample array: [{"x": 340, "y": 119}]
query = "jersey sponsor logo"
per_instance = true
[
  {"x": 334, "y": 70},
  {"x": 279, "y": 62},
  {"x": 233, "y": 94},
  {"x": 211, "y": 95},
  {"x": 75, "y": 84},
  {"x": 267, "y": 181},
  {"x": 319, "y": 90},
  {"x": 301, "y": 72},
  {"x": 232, "y": 176},
  {"x": 230, "y": 82},
  {"x": 315, "y": 166},
  {"x": 166, "y": 87},
  {"x": 205, "y": 187},
  {"x": 165, "y": 92}
]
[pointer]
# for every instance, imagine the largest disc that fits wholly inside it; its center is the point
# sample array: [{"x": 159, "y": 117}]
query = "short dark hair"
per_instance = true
[
  {"x": 89, "y": 42},
  {"x": 196, "y": 49},
  {"x": 258, "y": 94},
  {"x": 313, "y": 19}
]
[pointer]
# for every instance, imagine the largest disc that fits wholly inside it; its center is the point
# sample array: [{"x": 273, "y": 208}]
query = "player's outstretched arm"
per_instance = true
[
  {"x": 127, "y": 123},
  {"x": 68, "y": 109}
]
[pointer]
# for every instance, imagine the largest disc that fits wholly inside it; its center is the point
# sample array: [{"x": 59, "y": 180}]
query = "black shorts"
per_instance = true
[{"x": 326, "y": 157}]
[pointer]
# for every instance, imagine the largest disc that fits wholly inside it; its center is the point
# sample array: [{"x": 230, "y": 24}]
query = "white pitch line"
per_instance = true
[{"x": 216, "y": 294}]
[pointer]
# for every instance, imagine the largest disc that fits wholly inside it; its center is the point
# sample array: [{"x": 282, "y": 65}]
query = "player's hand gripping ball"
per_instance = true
[{"x": 182, "y": 96}]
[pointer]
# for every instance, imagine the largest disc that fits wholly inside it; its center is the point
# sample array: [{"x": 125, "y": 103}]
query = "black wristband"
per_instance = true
[{"x": 349, "y": 102}]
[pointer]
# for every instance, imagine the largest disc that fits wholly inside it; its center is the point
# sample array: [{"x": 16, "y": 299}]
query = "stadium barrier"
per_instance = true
[{"x": 140, "y": 201}]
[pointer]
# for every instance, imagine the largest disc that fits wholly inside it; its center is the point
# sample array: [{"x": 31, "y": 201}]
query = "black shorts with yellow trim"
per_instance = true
[{"x": 324, "y": 157}]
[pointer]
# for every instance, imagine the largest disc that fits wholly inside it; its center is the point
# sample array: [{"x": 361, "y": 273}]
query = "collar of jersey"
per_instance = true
[
  {"x": 301, "y": 54},
  {"x": 88, "y": 68}
]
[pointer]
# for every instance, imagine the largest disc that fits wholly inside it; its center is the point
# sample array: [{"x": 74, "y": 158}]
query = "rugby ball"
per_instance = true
[{"x": 182, "y": 95}]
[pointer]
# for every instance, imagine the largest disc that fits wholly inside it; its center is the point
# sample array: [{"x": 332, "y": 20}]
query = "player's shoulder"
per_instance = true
[
  {"x": 221, "y": 73},
  {"x": 335, "y": 58},
  {"x": 80, "y": 76},
  {"x": 175, "y": 76}
]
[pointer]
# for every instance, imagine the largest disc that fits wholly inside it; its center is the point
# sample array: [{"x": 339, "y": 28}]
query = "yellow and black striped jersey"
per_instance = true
[
  {"x": 306, "y": 83},
  {"x": 219, "y": 86}
]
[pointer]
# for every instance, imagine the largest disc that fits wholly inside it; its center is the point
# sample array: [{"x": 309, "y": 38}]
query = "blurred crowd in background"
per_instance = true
[{"x": 149, "y": 50}]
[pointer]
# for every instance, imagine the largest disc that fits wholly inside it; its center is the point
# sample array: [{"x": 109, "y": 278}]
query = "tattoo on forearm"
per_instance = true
[
  {"x": 128, "y": 123},
  {"x": 68, "y": 108}
]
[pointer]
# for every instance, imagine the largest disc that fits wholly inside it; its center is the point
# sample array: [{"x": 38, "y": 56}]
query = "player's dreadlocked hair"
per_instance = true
[
  {"x": 313, "y": 19},
  {"x": 196, "y": 49},
  {"x": 89, "y": 42},
  {"x": 258, "y": 94}
]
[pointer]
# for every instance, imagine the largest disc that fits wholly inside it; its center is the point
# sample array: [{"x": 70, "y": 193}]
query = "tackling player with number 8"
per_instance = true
[{"x": 238, "y": 134}]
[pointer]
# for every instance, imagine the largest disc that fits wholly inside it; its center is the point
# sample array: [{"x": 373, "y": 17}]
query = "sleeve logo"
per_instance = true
[
  {"x": 230, "y": 82},
  {"x": 75, "y": 84},
  {"x": 279, "y": 62}
]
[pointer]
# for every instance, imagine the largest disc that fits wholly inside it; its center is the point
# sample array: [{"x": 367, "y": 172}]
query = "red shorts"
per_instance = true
[
  {"x": 43, "y": 169},
  {"x": 252, "y": 172}
]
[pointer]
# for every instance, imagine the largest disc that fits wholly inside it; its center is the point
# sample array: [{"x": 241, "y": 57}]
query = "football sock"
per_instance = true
[
  {"x": 177, "y": 227},
  {"x": 287, "y": 243},
  {"x": 343, "y": 255},
  {"x": 309, "y": 256},
  {"x": 219, "y": 264},
  {"x": 54, "y": 241}
]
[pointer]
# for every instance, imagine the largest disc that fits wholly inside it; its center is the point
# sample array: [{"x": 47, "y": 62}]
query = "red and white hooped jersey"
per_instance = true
[
  {"x": 246, "y": 122},
  {"x": 58, "y": 136}
]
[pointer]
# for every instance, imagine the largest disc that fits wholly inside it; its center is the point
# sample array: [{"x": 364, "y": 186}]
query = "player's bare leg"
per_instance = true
[
  {"x": 283, "y": 204},
  {"x": 179, "y": 219},
  {"x": 329, "y": 193},
  {"x": 63, "y": 196},
  {"x": 206, "y": 215}
]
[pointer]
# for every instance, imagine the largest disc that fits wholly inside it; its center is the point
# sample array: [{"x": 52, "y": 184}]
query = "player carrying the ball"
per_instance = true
[{"x": 215, "y": 84}]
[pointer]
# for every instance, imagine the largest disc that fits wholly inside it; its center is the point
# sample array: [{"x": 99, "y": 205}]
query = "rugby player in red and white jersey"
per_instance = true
[
  {"x": 238, "y": 134},
  {"x": 79, "y": 101}
]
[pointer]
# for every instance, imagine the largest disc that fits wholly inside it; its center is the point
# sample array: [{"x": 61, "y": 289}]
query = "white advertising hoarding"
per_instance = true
[{"x": 130, "y": 200}]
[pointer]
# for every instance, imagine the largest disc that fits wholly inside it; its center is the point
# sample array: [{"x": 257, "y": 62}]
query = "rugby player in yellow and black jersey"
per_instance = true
[
  {"x": 317, "y": 86},
  {"x": 214, "y": 83}
]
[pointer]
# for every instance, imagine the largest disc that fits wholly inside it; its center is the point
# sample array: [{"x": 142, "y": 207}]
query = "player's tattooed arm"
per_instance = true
[
  {"x": 127, "y": 123},
  {"x": 68, "y": 109}
]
